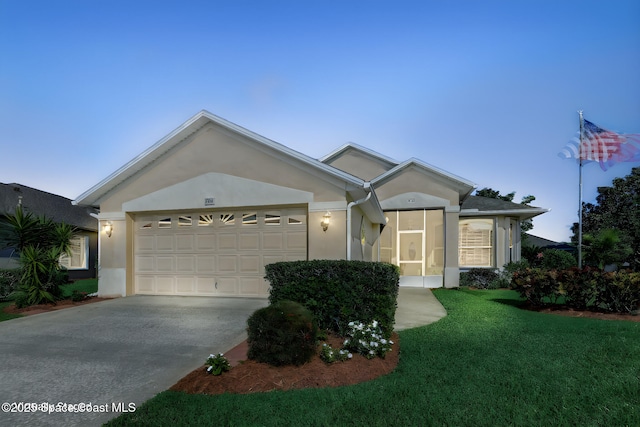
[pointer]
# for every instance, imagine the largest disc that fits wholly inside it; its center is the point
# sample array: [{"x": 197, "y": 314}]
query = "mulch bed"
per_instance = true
[{"x": 44, "y": 308}]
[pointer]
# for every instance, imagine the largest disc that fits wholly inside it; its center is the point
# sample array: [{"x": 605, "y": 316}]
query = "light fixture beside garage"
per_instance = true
[
  {"x": 108, "y": 228},
  {"x": 326, "y": 220}
]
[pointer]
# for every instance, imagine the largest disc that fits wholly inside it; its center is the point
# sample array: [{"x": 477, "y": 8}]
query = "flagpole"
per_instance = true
[{"x": 580, "y": 192}]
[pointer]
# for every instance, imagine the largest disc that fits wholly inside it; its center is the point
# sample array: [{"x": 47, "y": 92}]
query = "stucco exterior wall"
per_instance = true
[
  {"x": 330, "y": 244},
  {"x": 412, "y": 180},
  {"x": 213, "y": 150}
]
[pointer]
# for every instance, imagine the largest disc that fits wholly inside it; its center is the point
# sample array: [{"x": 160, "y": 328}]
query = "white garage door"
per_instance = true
[{"x": 215, "y": 252}]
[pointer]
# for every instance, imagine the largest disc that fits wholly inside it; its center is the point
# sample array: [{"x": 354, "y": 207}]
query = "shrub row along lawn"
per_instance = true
[
  {"x": 485, "y": 364},
  {"x": 86, "y": 285}
]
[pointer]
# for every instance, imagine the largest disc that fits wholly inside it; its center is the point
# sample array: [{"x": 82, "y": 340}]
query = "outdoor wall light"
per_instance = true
[
  {"x": 108, "y": 228},
  {"x": 326, "y": 220}
]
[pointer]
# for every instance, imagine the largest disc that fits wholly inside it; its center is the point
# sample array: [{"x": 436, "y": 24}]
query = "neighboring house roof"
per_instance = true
[
  {"x": 37, "y": 202},
  {"x": 541, "y": 242},
  {"x": 485, "y": 206}
]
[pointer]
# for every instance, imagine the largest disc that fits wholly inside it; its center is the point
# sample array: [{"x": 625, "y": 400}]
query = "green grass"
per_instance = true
[
  {"x": 85, "y": 285},
  {"x": 485, "y": 364},
  {"x": 6, "y": 316}
]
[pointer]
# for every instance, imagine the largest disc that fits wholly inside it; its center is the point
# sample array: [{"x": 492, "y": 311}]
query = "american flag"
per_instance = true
[{"x": 603, "y": 146}]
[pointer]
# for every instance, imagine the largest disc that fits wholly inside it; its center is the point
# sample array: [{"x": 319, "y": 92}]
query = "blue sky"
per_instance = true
[{"x": 487, "y": 90}]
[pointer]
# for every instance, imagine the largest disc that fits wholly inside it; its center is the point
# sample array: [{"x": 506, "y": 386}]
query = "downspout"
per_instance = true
[{"x": 367, "y": 186}]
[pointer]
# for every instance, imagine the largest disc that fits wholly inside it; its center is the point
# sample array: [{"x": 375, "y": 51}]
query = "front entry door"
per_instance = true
[{"x": 411, "y": 255}]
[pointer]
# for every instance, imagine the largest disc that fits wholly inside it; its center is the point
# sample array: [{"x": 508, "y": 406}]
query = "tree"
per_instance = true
[
  {"x": 527, "y": 224},
  {"x": 616, "y": 208}
]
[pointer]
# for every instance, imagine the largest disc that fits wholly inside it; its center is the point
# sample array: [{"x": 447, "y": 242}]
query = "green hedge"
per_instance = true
[
  {"x": 586, "y": 289},
  {"x": 338, "y": 292}
]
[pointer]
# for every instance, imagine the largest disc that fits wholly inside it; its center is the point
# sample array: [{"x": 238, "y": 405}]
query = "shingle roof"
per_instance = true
[
  {"x": 38, "y": 202},
  {"x": 478, "y": 205}
]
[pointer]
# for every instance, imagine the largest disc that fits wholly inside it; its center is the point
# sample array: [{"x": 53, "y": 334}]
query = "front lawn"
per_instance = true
[{"x": 485, "y": 364}]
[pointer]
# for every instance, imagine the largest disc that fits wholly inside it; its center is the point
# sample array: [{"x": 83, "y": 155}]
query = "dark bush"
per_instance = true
[
  {"x": 481, "y": 278},
  {"x": 536, "y": 285},
  {"x": 586, "y": 289},
  {"x": 283, "y": 333},
  {"x": 556, "y": 259},
  {"x": 8, "y": 282},
  {"x": 339, "y": 291}
]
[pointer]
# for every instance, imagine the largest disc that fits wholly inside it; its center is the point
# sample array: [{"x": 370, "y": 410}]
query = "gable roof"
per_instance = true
[
  {"x": 355, "y": 186},
  {"x": 352, "y": 146},
  {"x": 484, "y": 206},
  {"x": 463, "y": 186},
  {"x": 94, "y": 195},
  {"x": 37, "y": 202}
]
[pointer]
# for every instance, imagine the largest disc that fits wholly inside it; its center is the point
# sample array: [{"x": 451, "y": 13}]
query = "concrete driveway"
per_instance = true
[{"x": 111, "y": 354}]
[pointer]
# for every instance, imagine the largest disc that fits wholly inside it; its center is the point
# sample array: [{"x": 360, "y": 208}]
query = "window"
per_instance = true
[
  {"x": 227, "y": 219},
  {"x": 475, "y": 243},
  {"x": 272, "y": 218},
  {"x": 184, "y": 221},
  {"x": 205, "y": 220},
  {"x": 164, "y": 223},
  {"x": 79, "y": 258},
  {"x": 296, "y": 219},
  {"x": 250, "y": 218}
]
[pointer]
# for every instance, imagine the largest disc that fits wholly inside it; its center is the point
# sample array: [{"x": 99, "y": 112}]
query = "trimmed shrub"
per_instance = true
[
  {"x": 481, "y": 278},
  {"x": 338, "y": 291},
  {"x": 283, "y": 333}
]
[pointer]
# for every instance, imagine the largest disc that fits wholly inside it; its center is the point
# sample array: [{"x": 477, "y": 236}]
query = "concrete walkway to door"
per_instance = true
[{"x": 417, "y": 307}]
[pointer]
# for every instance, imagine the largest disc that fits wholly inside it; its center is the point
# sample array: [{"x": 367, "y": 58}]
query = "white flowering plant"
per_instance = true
[
  {"x": 367, "y": 339},
  {"x": 217, "y": 364},
  {"x": 330, "y": 355}
]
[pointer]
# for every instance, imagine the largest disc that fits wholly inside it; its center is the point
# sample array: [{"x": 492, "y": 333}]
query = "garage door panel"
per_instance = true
[
  {"x": 185, "y": 285},
  {"x": 227, "y": 263},
  {"x": 249, "y": 264},
  {"x": 252, "y": 286},
  {"x": 206, "y": 285},
  {"x": 145, "y": 243},
  {"x": 227, "y": 285},
  {"x": 206, "y": 264},
  {"x": 273, "y": 240},
  {"x": 249, "y": 241},
  {"x": 227, "y": 242},
  {"x": 296, "y": 257},
  {"x": 185, "y": 242},
  {"x": 145, "y": 264},
  {"x": 164, "y": 243},
  {"x": 185, "y": 264},
  {"x": 145, "y": 284},
  {"x": 206, "y": 242},
  {"x": 165, "y": 285},
  {"x": 165, "y": 264},
  {"x": 297, "y": 240}
]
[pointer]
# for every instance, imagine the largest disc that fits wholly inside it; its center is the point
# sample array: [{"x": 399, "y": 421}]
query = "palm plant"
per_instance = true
[{"x": 40, "y": 243}]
